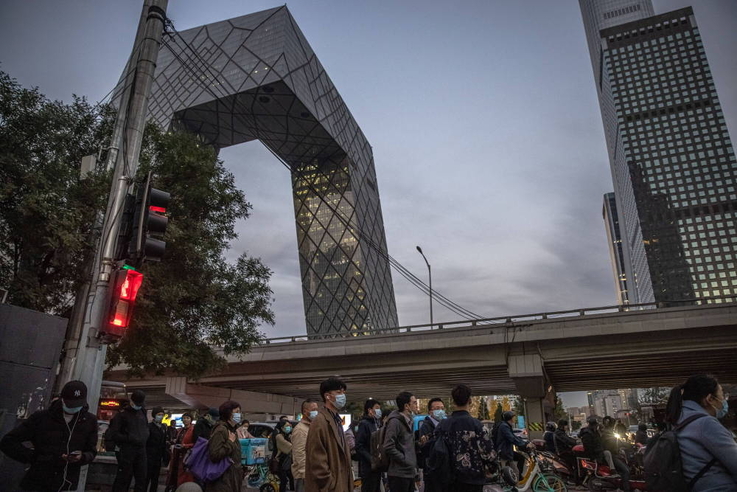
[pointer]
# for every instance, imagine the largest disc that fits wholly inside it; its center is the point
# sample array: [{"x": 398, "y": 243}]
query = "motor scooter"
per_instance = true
[{"x": 598, "y": 477}]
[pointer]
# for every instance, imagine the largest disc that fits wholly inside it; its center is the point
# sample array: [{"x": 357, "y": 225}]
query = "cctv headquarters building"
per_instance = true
[{"x": 256, "y": 77}]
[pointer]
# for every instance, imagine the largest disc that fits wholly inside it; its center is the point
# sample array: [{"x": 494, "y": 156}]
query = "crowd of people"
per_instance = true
[{"x": 316, "y": 455}]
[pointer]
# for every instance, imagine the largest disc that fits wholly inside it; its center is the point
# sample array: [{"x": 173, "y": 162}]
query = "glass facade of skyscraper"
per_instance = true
[
  {"x": 256, "y": 78},
  {"x": 616, "y": 253},
  {"x": 673, "y": 163}
]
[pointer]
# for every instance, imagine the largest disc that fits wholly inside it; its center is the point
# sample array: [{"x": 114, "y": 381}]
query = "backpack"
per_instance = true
[
  {"x": 663, "y": 465},
  {"x": 438, "y": 463},
  {"x": 379, "y": 458}
]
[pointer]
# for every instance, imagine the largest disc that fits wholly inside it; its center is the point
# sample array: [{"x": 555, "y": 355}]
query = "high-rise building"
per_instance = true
[
  {"x": 616, "y": 254},
  {"x": 257, "y": 78},
  {"x": 672, "y": 161}
]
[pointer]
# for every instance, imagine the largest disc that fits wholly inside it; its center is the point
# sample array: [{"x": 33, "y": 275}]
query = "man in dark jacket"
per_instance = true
[
  {"x": 563, "y": 442},
  {"x": 370, "y": 423},
  {"x": 435, "y": 414},
  {"x": 157, "y": 451},
  {"x": 63, "y": 438},
  {"x": 204, "y": 424},
  {"x": 399, "y": 445},
  {"x": 129, "y": 431},
  {"x": 594, "y": 449},
  {"x": 507, "y": 441},
  {"x": 641, "y": 435},
  {"x": 466, "y": 437}
]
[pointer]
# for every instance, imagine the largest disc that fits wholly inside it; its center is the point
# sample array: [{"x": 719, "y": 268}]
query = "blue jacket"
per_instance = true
[
  {"x": 507, "y": 440},
  {"x": 702, "y": 440}
]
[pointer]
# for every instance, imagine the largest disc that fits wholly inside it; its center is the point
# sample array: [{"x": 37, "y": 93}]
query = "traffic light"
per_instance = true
[
  {"x": 123, "y": 292},
  {"x": 149, "y": 223}
]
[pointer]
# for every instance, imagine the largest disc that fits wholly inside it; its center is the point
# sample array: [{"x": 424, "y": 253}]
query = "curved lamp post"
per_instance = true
[{"x": 429, "y": 273}]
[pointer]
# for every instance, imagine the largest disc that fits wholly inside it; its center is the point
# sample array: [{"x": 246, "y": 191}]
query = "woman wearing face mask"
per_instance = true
[
  {"x": 243, "y": 430},
  {"x": 282, "y": 438},
  {"x": 708, "y": 450},
  {"x": 224, "y": 444}
]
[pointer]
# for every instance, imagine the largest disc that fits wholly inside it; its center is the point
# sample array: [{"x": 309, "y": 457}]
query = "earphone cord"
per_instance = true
[{"x": 64, "y": 480}]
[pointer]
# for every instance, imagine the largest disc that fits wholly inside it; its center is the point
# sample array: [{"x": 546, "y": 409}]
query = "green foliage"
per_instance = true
[
  {"x": 498, "y": 412},
  {"x": 46, "y": 209},
  {"x": 519, "y": 406},
  {"x": 483, "y": 409},
  {"x": 191, "y": 301},
  {"x": 194, "y": 298},
  {"x": 559, "y": 412},
  {"x": 575, "y": 425}
]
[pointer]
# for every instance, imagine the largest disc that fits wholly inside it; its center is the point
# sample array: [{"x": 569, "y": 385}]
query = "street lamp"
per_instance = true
[{"x": 429, "y": 274}]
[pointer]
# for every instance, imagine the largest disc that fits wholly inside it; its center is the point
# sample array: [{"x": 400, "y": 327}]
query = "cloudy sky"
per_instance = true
[{"x": 483, "y": 118}]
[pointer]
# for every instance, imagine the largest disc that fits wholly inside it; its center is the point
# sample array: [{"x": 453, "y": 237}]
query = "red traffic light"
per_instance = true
[{"x": 127, "y": 282}]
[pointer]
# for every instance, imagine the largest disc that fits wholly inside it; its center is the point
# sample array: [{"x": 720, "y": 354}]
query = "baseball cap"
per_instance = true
[{"x": 74, "y": 394}]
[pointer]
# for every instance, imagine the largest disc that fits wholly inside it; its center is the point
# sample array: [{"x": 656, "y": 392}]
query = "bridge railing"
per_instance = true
[{"x": 510, "y": 320}]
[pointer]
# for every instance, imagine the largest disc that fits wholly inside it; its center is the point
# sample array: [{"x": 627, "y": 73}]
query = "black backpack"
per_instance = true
[
  {"x": 663, "y": 465},
  {"x": 379, "y": 459},
  {"x": 439, "y": 463}
]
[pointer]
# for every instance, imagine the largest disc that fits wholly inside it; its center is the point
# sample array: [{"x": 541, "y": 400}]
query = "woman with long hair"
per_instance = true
[
  {"x": 708, "y": 449},
  {"x": 176, "y": 465},
  {"x": 224, "y": 444},
  {"x": 283, "y": 448}
]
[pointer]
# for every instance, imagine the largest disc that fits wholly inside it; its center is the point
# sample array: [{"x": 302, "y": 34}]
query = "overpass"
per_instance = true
[{"x": 532, "y": 355}]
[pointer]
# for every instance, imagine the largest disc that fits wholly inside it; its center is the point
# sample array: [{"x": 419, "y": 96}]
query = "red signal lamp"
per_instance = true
[{"x": 127, "y": 282}]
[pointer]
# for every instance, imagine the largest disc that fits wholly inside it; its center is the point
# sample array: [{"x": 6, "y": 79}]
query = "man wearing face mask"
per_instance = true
[
  {"x": 299, "y": 443},
  {"x": 328, "y": 459},
  {"x": 399, "y": 444},
  {"x": 63, "y": 438},
  {"x": 129, "y": 430},
  {"x": 204, "y": 424},
  {"x": 370, "y": 423},
  {"x": 157, "y": 451},
  {"x": 436, "y": 413}
]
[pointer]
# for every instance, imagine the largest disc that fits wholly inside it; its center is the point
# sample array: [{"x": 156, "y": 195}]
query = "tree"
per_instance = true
[
  {"x": 46, "y": 209},
  {"x": 559, "y": 412},
  {"x": 519, "y": 406},
  {"x": 194, "y": 299},
  {"x": 483, "y": 409},
  {"x": 653, "y": 396},
  {"x": 498, "y": 413}
]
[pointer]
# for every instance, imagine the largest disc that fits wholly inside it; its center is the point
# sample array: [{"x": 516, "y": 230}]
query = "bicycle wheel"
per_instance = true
[
  {"x": 549, "y": 483},
  {"x": 267, "y": 487}
]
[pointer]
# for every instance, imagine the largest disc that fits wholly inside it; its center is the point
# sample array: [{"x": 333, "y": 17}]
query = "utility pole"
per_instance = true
[{"x": 85, "y": 352}]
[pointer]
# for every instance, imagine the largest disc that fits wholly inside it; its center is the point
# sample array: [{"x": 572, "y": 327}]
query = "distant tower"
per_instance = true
[{"x": 672, "y": 161}]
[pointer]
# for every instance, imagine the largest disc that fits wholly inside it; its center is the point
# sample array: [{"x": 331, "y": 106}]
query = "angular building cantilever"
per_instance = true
[{"x": 257, "y": 78}]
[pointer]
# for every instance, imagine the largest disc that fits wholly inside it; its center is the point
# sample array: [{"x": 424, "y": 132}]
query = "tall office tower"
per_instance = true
[
  {"x": 616, "y": 255},
  {"x": 256, "y": 77},
  {"x": 671, "y": 157}
]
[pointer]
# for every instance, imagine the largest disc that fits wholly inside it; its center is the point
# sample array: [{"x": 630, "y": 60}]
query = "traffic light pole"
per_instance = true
[{"x": 87, "y": 362}]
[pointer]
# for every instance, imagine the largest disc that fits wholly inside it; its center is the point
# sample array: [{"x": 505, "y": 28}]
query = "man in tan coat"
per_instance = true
[
  {"x": 328, "y": 460},
  {"x": 299, "y": 444}
]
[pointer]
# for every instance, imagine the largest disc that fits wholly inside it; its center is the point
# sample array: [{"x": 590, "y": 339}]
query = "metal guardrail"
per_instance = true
[{"x": 507, "y": 320}]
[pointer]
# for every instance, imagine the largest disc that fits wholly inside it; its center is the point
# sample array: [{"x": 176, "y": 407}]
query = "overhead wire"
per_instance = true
[{"x": 406, "y": 273}]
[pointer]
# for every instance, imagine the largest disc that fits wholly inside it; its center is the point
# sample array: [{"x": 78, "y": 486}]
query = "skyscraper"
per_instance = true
[
  {"x": 672, "y": 161},
  {"x": 256, "y": 77},
  {"x": 616, "y": 254}
]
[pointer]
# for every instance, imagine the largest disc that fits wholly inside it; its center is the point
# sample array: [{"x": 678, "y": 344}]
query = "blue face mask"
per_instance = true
[
  {"x": 71, "y": 410},
  {"x": 722, "y": 412},
  {"x": 377, "y": 412},
  {"x": 340, "y": 401},
  {"x": 287, "y": 430},
  {"x": 313, "y": 414},
  {"x": 137, "y": 407},
  {"x": 438, "y": 414},
  {"x": 158, "y": 418},
  {"x": 236, "y": 418}
]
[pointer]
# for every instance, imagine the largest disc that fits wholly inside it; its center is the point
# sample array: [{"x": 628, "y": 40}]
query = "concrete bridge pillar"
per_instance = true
[{"x": 537, "y": 393}]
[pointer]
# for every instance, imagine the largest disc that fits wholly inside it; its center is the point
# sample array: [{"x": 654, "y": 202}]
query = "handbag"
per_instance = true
[
  {"x": 199, "y": 464},
  {"x": 275, "y": 463}
]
